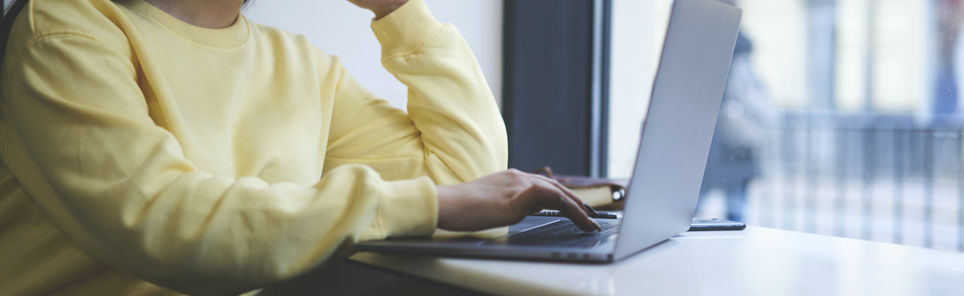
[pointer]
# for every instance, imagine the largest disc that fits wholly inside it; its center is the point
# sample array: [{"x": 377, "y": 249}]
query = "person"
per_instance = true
[
  {"x": 173, "y": 146},
  {"x": 736, "y": 150},
  {"x": 949, "y": 15}
]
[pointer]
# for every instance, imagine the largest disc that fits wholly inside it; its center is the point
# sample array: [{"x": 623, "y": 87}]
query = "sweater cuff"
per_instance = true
[
  {"x": 405, "y": 28},
  {"x": 408, "y": 208}
]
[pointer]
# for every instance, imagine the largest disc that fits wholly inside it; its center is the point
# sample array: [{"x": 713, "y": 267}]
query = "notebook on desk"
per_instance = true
[{"x": 672, "y": 153}]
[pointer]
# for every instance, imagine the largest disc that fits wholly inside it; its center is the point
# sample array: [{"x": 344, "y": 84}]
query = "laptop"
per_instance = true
[{"x": 665, "y": 184}]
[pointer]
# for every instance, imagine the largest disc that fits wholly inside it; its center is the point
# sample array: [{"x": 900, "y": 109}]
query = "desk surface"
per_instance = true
[{"x": 757, "y": 261}]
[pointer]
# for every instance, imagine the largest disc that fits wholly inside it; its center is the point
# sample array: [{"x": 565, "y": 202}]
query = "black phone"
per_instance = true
[{"x": 715, "y": 224}]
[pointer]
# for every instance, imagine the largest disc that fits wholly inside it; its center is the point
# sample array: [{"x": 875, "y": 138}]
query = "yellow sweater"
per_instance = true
[{"x": 137, "y": 148}]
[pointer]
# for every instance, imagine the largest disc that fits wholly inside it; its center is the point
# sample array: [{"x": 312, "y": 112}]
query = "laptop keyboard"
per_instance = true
[{"x": 561, "y": 233}]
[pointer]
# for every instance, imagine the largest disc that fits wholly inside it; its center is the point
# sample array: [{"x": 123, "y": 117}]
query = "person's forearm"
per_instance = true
[{"x": 449, "y": 99}]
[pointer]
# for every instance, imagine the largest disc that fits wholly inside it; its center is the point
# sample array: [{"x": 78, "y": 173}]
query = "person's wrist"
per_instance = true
[
  {"x": 387, "y": 8},
  {"x": 445, "y": 207}
]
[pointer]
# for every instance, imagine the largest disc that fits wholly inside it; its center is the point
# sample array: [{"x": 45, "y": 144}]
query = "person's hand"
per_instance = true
[
  {"x": 505, "y": 198},
  {"x": 381, "y": 8}
]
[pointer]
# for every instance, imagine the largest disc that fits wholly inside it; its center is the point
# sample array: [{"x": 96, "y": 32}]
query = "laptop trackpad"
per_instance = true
[{"x": 560, "y": 233}]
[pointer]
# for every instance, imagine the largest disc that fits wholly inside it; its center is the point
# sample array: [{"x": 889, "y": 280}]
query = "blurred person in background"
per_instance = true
[
  {"x": 950, "y": 18},
  {"x": 746, "y": 114}
]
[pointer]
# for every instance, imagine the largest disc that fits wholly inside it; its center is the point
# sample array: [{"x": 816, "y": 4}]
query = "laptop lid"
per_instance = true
[{"x": 679, "y": 125}]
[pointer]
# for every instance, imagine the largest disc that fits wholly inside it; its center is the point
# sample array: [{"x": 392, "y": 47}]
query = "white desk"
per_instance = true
[{"x": 757, "y": 261}]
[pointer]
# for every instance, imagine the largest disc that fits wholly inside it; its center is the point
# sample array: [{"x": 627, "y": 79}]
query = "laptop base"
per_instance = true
[{"x": 501, "y": 247}]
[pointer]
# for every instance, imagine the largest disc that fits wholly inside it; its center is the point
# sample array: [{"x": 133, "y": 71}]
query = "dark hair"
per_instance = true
[{"x": 9, "y": 15}]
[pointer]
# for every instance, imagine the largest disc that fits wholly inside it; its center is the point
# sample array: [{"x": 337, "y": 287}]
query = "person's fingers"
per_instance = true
[
  {"x": 569, "y": 194},
  {"x": 553, "y": 198},
  {"x": 572, "y": 196}
]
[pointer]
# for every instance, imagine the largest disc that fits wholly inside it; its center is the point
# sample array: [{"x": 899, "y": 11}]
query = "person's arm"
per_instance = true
[
  {"x": 76, "y": 133},
  {"x": 452, "y": 132}
]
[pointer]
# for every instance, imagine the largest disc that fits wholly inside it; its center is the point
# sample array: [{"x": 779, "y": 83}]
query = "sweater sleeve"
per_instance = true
[
  {"x": 453, "y": 131},
  {"x": 76, "y": 132}
]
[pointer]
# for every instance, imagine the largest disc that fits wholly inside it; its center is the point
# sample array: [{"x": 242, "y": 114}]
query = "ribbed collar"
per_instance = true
[{"x": 233, "y": 36}]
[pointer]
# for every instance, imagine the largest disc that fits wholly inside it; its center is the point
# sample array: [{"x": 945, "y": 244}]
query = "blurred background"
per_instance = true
[{"x": 841, "y": 117}]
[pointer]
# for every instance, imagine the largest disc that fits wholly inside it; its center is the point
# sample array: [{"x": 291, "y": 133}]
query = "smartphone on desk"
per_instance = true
[{"x": 715, "y": 224}]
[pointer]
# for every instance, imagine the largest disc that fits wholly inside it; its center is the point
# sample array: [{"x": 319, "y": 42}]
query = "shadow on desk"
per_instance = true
[{"x": 351, "y": 278}]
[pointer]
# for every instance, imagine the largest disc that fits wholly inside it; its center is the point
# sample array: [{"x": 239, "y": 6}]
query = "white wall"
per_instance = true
[
  {"x": 637, "y": 35},
  {"x": 341, "y": 29}
]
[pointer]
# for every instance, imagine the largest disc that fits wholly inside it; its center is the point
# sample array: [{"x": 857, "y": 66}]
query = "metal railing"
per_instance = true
[{"x": 878, "y": 177}]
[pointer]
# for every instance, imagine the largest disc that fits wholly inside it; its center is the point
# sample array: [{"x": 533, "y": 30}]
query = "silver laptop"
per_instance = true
[{"x": 664, "y": 187}]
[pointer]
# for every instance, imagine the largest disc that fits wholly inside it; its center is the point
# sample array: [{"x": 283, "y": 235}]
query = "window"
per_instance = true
[{"x": 841, "y": 117}]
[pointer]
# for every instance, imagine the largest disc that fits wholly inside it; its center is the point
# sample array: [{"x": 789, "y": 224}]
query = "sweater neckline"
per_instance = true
[{"x": 232, "y": 36}]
